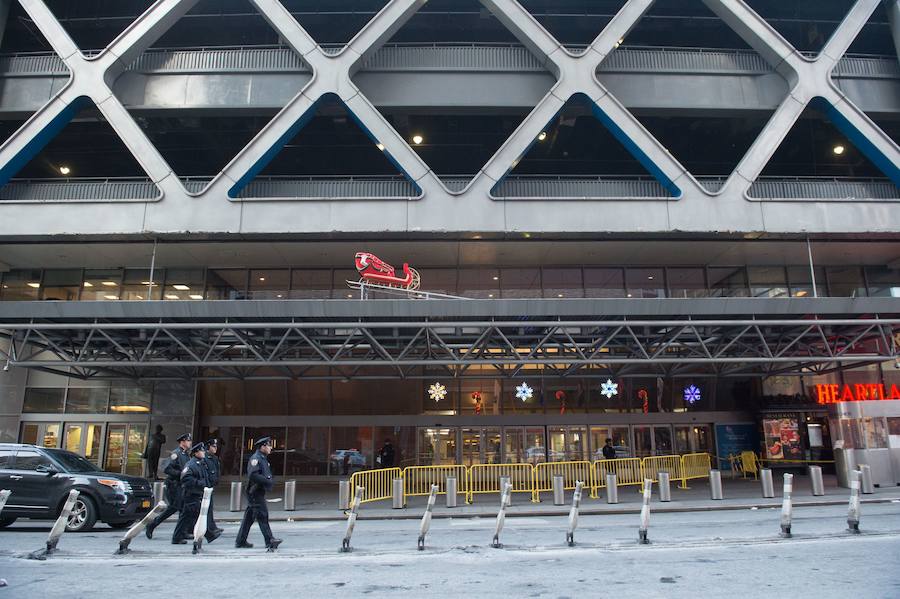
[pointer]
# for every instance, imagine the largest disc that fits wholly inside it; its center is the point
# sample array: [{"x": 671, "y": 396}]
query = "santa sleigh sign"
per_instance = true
[{"x": 375, "y": 271}]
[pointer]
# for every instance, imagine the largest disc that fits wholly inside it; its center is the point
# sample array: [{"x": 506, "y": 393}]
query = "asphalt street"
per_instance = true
[{"x": 697, "y": 554}]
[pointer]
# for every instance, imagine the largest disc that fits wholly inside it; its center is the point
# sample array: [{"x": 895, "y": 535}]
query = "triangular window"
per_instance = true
[
  {"x": 93, "y": 24},
  {"x": 333, "y": 22},
  {"x": 806, "y": 25}
]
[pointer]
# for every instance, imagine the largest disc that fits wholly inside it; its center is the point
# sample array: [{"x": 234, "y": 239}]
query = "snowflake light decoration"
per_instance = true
[
  {"x": 437, "y": 392},
  {"x": 691, "y": 394},
  {"x": 524, "y": 392},
  {"x": 609, "y": 389}
]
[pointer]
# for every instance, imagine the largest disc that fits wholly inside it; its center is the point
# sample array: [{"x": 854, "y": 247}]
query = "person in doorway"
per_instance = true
[
  {"x": 214, "y": 469},
  {"x": 177, "y": 461},
  {"x": 194, "y": 479},
  {"x": 259, "y": 480},
  {"x": 152, "y": 451},
  {"x": 346, "y": 463},
  {"x": 609, "y": 452},
  {"x": 386, "y": 454}
]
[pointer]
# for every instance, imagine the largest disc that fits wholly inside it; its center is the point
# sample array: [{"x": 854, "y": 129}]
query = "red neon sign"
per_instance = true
[{"x": 827, "y": 394}]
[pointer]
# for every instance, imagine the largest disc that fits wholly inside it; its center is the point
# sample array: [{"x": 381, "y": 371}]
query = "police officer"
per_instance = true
[
  {"x": 214, "y": 469},
  {"x": 259, "y": 480},
  {"x": 177, "y": 461},
  {"x": 194, "y": 479}
]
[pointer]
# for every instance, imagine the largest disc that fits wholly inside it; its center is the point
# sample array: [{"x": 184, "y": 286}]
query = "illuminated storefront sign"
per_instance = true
[{"x": 826, "y": 394}]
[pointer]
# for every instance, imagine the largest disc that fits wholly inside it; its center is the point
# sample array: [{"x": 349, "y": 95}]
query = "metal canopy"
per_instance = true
[{"x": 394, "y": 339}]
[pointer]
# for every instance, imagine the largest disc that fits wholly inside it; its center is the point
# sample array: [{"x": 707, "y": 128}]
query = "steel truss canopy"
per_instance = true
[{"x": 419, "y": 339}]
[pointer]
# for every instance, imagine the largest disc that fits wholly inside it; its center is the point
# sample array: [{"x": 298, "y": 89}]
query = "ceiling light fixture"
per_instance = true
[
  {"x": 111, "y": 297},
  {"x": 418, "y": 139},
  {"x": 181, "y": 287},
  {"x": 838, "y": 149},
  {"x": 88, "y": 284},
  {"x": 542, "y": 136},
  {"x": 109, "y": 283},
  {"x": 172, "y": 296},
  {"x": 34, "y": 285},
  {"x": 262, "y": 278},
  {"x": 64, "y": 170},
  {"x": 195, "y": 296},
  {"x": 380, "y": 147}
]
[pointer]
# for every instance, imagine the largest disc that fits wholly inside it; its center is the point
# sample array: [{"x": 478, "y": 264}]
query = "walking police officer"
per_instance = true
[
  {"x": 214, "y": 469},
  {"x": 259, "y": 480},
  {"x": 177, "y": 461},
  {"x": 194, "y": 479}
]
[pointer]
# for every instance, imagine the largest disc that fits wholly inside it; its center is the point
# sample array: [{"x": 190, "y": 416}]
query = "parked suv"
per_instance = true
[{"x": 40, "y": 480}]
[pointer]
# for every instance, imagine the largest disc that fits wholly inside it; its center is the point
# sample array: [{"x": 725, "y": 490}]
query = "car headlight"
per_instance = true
[{"x": 118, "y": 485}]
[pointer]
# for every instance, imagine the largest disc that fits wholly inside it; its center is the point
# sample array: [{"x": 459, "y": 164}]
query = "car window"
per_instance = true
[
  {"x": 6, "y": 458},
  {"x": 30, "y": 460}
]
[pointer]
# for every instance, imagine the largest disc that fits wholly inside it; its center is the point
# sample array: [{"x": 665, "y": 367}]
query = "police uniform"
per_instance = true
[
  {"x": 259, "y": 480},
  {"x": 177, "y": 461},
  {"x": 194, "y": 479},
  {"x": 214, "y": 470}
]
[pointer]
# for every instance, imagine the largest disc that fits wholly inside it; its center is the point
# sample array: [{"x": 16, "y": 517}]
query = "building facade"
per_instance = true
[{"x": 671, "y": 224}]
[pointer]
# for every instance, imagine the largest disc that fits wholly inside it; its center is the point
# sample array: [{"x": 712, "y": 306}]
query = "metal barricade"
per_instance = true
[
  {"x": 627, "y": 471},
  {"x": 572, "y": 472},
  {"x": 485, "y": 478},
  {"x": 651, "y": 466},
  {"x": 417, "y": 480},
  {"x": 378, "y": 484},
  {"x": 694, "y": 466}
]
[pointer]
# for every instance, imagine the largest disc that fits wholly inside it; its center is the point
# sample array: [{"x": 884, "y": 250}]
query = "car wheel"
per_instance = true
[
  {"x": 4, "y": 522},
  {"x": 83, "y": 516},
  {"x": 120, "y": 525}
]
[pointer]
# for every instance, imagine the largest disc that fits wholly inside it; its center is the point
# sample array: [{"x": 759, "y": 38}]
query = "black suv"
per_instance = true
[{"x": 40, "y": 480}]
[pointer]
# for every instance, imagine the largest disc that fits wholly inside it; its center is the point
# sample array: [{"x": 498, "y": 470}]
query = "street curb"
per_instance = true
[{"x": 657, "y": 509}]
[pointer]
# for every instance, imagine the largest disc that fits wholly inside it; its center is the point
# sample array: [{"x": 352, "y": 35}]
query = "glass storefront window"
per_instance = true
[
  {"x": 352, "y": 449},
  {"x": 687, "y": 282},
  {"x": 221, "y": 398},
  {"x": 662, "y": 440},
  {"x": 310, "y": 284},
  {"x": 270, "y": 284},
  {"x": 682, "y": 439},
  {"x": 39, "y": 400},
  {"x": 226, "y": 284},
  {"x": 645, "y": 282},
  {"x": 535, "y": 449},
  {"x": 599, "y": 435},
  {"x": 21, "y": 285},
  {"x": 306, "y": 451},
  {"x": 437, "y": 446},
  {"x": 727, "y": 282},
  {"x": 483, "y": 283},
  {"x": 604, "y": 282},
  {"x": 102, "y": 285},
  {"x": 29, "y": 433},
  {"x": 621, "y": 441},
  {"x": 768, "y": 281},
  {"x": 514, "y": 445},
  {"x": 520, "y": 282},
  {"x": 62, "y": 285},
  {"x": 845, "y": 281},
  {"x": 403, "y": 440},
  {"x": 137, "y": 285},
  {"x": 440, "y": 280},
  {"x": 800, "y": 279},
  {"x": 51, "y": 436},
  {"x": 183, "y": 284},
  {"x": 276, "y": 458},
  {"x": 643, "y": 443},
  {"x": 130, "y": 399},
  {"x": 883, "y": 281},
  {"x": 87, "y": 400},
  {"x": 562, "y": 282}
]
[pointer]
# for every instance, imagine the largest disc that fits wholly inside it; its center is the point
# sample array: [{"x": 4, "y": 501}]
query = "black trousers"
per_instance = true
[
  {"x": 210, "y": 518},
  {"x": 257, "y": 511},
  {"x": 190, "y": 512},
  {"x": 174, "y": 501},
  {"x": 153, "y": 466}
]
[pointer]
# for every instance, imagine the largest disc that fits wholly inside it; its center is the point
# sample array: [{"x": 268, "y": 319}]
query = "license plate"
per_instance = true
[{"x": 145, "y": 503}]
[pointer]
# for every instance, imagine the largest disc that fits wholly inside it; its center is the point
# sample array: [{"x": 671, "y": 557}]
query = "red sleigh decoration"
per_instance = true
[{"x": 373, "y": 269}]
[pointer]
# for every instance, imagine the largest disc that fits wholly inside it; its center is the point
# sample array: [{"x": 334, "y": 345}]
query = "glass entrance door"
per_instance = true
[
  {"x": 480, "y": 446},
  {"x": 84, "y": 439},
  {"x": 567, "y": 443},
  {"x": 437, "y": 446},
  {"x": 124, "y": 445},
  {"x": 45, "y": 434}
]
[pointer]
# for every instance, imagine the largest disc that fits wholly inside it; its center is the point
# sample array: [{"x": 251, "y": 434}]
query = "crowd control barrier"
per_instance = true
[
  {"x": 652, "y": 466},
  {"x": 694, "y": 466},
  {"x": 485, "y": 478},
  {"x": 627, "y": 471},
  {"x": 378, "y": 484},
  {"x": 572, "y": 472},
  {"x": 417, "y": 480}
]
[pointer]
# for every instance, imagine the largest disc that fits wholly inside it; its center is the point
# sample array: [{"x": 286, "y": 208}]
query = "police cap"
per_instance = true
[
  {"x": 212, "y": 442},
  {"x": 185, "y": 437},
  {"x": 263, "y": 441},
  {"x": 198, "y": 447}
]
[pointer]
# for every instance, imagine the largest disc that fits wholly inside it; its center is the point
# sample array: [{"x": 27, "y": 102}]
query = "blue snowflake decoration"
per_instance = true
[
  {"x": 692, "y": 394},
  {"x": 524, "y": 392},
  {"x": 609, "y": 389}
]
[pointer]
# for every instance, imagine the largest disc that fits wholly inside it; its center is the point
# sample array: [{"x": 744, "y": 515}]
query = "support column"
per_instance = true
[{"x": 893, "y": 12}]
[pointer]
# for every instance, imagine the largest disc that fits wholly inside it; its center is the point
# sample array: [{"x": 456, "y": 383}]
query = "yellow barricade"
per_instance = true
[
  {"x": 570, "y": 471},
  {"x": 695, "y": 465},
  {"x": 485, "y": 478},
  {"x": 749, "y": 464},
  {"x": 378, "y": 484},
  {"x": 627, "y": 471},
  {"x": 651, "y": 466},
  {"x": 417, "y": 480}
]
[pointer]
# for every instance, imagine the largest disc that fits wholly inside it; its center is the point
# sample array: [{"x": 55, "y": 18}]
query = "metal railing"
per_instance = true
[
  {"x": 694, "y": 466},
  {"x": 824, "y": 188},
  {"x": 571, "y": 472},
  {"x": 538, "y": 187},
  {"x": 378, "y": 484},
  {"x": 627, "y": 470},
  {"x": 330, "y": 187},
  {"x": 651, "y": 467},
  {"x": 417, "y": 480},
  {"x": 79, "y": 190},
  {"x": 485, "y": 478},
  {"x": 681, "y": 60}
]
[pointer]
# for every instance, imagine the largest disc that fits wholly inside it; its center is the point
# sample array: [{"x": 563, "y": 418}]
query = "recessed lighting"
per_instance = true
[
  {"x": 496, "y": 278},
  {"x": 542, "y": 136},
  {"x": 262, "y": 278},
  {"x": 650, "y": 278},
  {"x": 108, "y": 283},
  {"x": 418, "y": 139},
  {"x": 64, "y": 170},
  {"x": 380, "y": 147},
  {"x": 111, "y": 297},
  {"x": 279, "y": 296},
  {"x": 838, "y": 149},
  {"x": 559, "y": 295},
  {"x": 172, "y": 296},
  {"x": 490, "y": 295},
  {"x": 527, "y": 235},
  {"x": 139, "y": 297},
  {"x": 181, "y": 287},
  {"x": 350, "y": 295},
  {"x": 800, "y": 294},
  {"x": 148, "y": 283},
  {"x": 620, "y": 42},
  {"x": 195, "y": 296},
  {"x": 629, "y": 295},
  {"x": 88, "y": 284},
  {"x": 34, "y": 285}
]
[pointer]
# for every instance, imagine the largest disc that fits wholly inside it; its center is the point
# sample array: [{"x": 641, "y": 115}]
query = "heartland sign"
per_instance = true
[{"x": 828, "y": 394}]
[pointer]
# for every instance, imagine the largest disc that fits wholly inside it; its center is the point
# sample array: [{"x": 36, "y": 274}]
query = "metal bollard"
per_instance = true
[
  {"x": 865, "y": 476},
  {"x": 853, "y": 511},
  {"x": 715, "y": 485},
  {"x": 138, "y": 528},
  {"x": 234, "y": 500},
  {"x": 505, "y": 480},
  {"x": 815, "y": 480},
  {"x": 351, "y": 520},
  {"x": 290, "y": 496},
  {"x": 426, "y": 519},
  {"x": 59, "y": 527},
  {"x": 344, "y": 495},
  {"x": 665, "y": 489},
  {"x": 612, "y": 489},
  {"x": 451, "y": 491},
  {"x": 397, "y": 494},
  {"x": 4, "y": 495},
  {"x": 559, "y": 490},
  {"x": 501, "y": 515},
  {"x": 159, "y": 491},
  {"x": 645, "y": 513},
  {"x": 200, "y": 524},
  {"x": 786, "y": 506},
  {"x": 573, "y": 513},
  {"x": 768, "y": 485}
]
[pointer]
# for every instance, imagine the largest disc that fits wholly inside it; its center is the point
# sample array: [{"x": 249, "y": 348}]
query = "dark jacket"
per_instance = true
[
  {"x": 214, "y": 469},
  {"x": 259, "y": 475},
  {"x": 609, "y": 452},
  {"x": 178, "y": 459},
  {"x": 194, "y": 478}
]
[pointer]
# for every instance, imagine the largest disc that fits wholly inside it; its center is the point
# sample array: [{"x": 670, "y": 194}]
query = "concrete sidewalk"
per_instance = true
[{"x": 319, "y": 501}]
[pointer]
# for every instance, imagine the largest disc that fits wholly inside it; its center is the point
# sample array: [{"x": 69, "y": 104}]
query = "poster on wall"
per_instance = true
[
  {"x": 732, "y": 439},
  {"x": 782, "y": 436}
]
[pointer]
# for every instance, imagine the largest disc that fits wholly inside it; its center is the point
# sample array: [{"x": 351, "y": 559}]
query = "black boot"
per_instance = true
[
  {"x": 149, "y": 531},
  {"x": 244, "y": 545},
  {"x": 213, "y": 535},
  {"x": 273, "y": 544}
]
